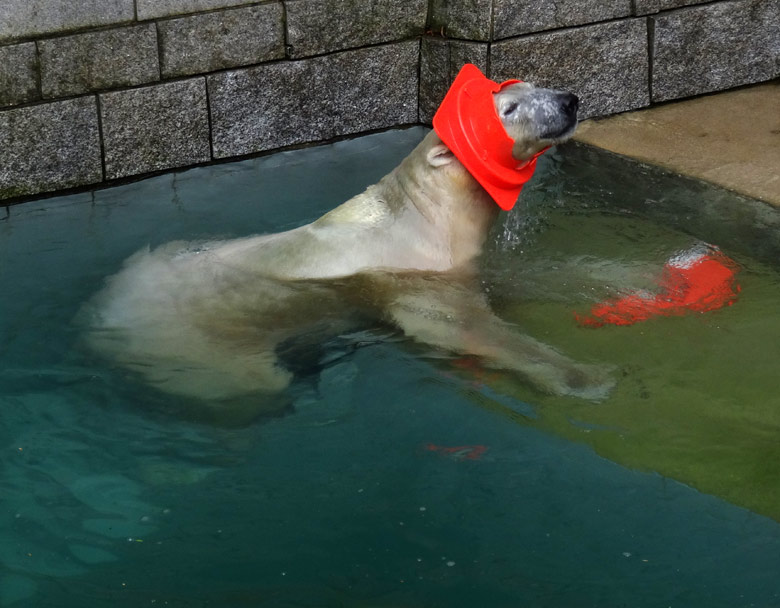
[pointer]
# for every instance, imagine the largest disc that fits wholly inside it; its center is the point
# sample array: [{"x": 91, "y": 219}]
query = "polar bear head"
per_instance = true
[
  {"x": 496, "y": 131},
  {"x": 535, "y": 118}
]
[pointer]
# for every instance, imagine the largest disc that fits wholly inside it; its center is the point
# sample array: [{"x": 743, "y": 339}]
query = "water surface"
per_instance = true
[{"x": 397, "y": 480}]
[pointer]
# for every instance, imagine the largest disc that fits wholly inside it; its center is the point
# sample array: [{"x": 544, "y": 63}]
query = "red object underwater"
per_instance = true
[
  {"x": 459, "y": 452},
  {"x": 691, "y": 282}
]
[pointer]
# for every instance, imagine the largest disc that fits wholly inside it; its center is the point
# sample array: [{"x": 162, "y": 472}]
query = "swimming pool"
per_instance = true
[{"x": 399, "y": 479}]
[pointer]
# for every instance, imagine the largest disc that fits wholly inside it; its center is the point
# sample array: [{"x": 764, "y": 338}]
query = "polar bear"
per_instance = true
[{"x": 212, "y": 321}]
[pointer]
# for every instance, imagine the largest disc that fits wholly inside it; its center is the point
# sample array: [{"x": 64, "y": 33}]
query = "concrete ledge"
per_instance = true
[
  {"x": 18, "y": 74},
  {"x": 714, "y": 47},
  {"x": 49, "y": 147},
  {"x": 310, "y": 23},
  {"x": 605, "y": 64},
  {"x": 155, "y": 128},
  {"x": 295, "y": 102},
  {"x": 227, "y": 39},
  {"x": 78, "y": 64},
  {"x": 730, "y": 139}
]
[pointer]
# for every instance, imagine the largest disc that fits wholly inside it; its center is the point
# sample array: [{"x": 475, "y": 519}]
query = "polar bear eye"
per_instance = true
[{"x": 509, "y": 108}]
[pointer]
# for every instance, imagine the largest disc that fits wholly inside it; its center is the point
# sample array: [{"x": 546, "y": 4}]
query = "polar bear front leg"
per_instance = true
[{"x": 459, "y": 320}]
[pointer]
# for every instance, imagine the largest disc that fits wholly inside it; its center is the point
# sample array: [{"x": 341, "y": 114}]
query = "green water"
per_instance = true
[
  {"x": 397, "y": 481},
  {"x": 697, "y": 397}
]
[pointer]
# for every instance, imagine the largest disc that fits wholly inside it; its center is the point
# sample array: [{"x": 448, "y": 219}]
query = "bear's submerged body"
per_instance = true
[{"x": 213, "y": 321}]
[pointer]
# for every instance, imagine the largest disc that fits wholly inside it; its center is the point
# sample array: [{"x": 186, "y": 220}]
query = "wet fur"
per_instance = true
[{"x": 210, "y": 321}]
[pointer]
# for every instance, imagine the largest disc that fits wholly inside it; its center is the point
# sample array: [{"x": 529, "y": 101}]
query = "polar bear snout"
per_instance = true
[
  {"x": 565, "y": 119},
  {"x": 569, "y": 103},
  {"x": 535, "y": 117}
]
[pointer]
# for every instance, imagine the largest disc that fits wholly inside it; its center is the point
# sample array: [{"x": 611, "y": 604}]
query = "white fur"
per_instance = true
[{"x": 206, "y": 321}]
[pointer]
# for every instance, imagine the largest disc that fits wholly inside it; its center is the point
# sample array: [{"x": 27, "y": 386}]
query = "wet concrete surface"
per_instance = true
[{"x": 730, "y": 138}]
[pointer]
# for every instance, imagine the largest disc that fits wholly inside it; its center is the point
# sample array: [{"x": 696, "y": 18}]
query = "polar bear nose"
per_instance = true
[{"x": 570, "y": 103}]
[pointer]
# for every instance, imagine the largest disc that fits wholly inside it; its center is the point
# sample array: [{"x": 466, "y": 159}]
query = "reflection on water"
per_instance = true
[{"x": 392, "y": 481}]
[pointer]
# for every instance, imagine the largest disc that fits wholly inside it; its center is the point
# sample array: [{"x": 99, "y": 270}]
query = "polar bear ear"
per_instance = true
[{"x": 439, "y": 155}]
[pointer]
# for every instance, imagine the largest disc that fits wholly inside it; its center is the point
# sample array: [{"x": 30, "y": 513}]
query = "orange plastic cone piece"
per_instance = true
[
  {"x": 697, "y": 282},
  {"x": 468, "y": 123}
]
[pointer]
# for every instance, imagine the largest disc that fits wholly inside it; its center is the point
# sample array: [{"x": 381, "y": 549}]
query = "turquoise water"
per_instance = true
[{"x": 394, "y": 481}]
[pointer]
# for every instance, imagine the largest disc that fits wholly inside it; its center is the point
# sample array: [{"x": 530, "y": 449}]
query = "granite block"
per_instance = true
[
  {"x": 18, "y": 74},
  {"x": 27, "y": 18},
  {"x": 224, "y": 39},
  {"x": 294, "y": 102},
  {"x": 466, "y": 19},
  {"x": 154, "y": 128},
  {"x": 153, "y": 9},
  {"x": 78, "y": 64},
  {"x": 434, "y": 75},
  {"x": 645, "y": 7},
  {"x": 49, "y": 147},
  {"x": 604, "y": 64},
  {"x": 440, "y": 61},
  {"x": 321, "y": 26},
  {"x": 714, "y": 47},
  {"x": 516, "y": 17}
]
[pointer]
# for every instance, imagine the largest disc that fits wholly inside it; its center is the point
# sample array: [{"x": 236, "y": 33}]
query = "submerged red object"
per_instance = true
[
  {"x": 468, "y": 123},
  {"x": 691, "y": 282},
  {"x": 459, "y": 452}
]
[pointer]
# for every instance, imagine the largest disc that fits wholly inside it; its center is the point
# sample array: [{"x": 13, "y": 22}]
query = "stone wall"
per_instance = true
[
  {"x": 99, "y": 90},
  {"x": 617, "y": 55}
]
